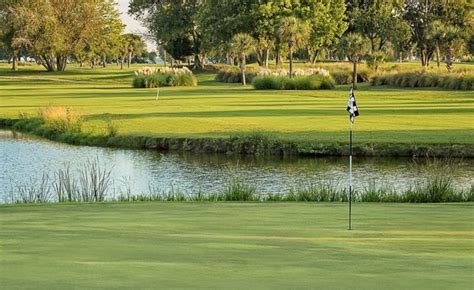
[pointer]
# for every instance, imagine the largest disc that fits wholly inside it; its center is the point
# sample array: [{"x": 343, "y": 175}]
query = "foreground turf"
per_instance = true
[
  {"x": 236, "y": 246},
  {"x": 388, "y": 115}
]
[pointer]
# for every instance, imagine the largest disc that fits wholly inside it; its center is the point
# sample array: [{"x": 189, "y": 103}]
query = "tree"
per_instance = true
[
  {"x": 353, "y": 46},
  {"x": 421, "y": 15},
  {"x": 8, "y": 30},
  {"x": 55, "y": 30},
  {"x": 130, "y": 44},
  {"x": 400, "y": 37},
  {"x": 326, "y": 20},
  {"x": 173, "y": 23},
  {"x": 375, "y": 20},
  {"x": 295, "y": 33},
  {"x": 242, "y": 45}
]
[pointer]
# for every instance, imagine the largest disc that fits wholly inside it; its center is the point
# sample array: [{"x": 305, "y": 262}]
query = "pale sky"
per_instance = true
[{"x": 133, "y": 26}]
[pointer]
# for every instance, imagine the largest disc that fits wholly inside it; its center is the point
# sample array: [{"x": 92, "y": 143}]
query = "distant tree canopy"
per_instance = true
[
  {"x": 56, "y": 31},
  {"x": 201, "y": 28}
]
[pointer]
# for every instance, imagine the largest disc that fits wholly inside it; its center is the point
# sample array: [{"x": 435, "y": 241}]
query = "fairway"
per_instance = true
[
  {"x": 212, "y": 109},
  {"x": 236, "y": 246}
]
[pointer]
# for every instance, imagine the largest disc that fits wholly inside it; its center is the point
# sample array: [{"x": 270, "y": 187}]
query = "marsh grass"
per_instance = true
[
  {"x": 93, "y": 183},
  {"x": 33, "y": 192},
  {"x": 61, "y": 119}
]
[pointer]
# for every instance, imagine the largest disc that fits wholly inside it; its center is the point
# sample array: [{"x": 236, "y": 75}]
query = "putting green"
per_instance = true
[{"x": 236, "y": 246}]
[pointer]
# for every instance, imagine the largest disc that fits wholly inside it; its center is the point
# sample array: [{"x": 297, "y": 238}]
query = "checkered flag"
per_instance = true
[{"x": 351, "y": 106}]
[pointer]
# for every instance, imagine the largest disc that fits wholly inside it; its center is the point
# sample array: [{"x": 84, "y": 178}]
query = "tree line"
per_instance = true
[
  {"x": 312, "y": 29},
  {"x": 231, "y": 31},
  {"x": 55, "y": 32}
]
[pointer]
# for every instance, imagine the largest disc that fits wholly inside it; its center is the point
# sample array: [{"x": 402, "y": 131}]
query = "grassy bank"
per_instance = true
[
  {"x": 393, "y": 121},
  {"x": 238, "y": 246}
]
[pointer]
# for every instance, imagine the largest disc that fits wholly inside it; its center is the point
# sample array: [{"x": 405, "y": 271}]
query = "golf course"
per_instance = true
[
  {"x": 236, "y": 245},
  {"x": 221, "y": 110}
]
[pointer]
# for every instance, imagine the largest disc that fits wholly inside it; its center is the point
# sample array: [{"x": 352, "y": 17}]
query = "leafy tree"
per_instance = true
[
  {"x": 55, "y": 30},
  {"x": 8, "y": 30},
  {"x": 174, "y": 25},
  {"x": 353, "y": 46},
  {"x": 242, "y": 45},
  {"x": 421, "y": 15},
  {"x": 326, "y": 20},
  {"x": 375, "y": 20},
  {"x": 130, "y": 44},
  {"x": 400, "y": 37},
  {"x": 294, "y": 32}
]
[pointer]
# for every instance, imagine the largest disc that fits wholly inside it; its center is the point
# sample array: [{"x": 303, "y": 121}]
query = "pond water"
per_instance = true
[{"x": 25, "y": 159}]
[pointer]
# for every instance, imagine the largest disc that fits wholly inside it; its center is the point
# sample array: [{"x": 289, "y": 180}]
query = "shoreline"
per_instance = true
[{"x": 258, "y": 144}]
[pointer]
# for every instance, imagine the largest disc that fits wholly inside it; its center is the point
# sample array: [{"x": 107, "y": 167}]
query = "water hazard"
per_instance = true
[{"x": 25, "y": 160}]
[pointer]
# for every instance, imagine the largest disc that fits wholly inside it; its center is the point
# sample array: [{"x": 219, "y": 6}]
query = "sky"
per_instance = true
[{"x": 133, "y": 26}]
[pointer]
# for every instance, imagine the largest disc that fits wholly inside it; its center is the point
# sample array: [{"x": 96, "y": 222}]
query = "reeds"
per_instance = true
[{"x": 93, "y": 183}]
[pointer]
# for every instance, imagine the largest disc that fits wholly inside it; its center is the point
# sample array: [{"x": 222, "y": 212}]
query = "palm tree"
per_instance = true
[
  {"x": 353, "y": 46},
  {"x": 242, "y": 44},
  {"x": 294, "y": 32}
]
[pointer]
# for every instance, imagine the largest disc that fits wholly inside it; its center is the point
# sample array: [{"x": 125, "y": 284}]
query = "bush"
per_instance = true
[
  {"x": 342, "y": 77},
  {"x": 152, "y": 77},
  {"x": 61, "y": 119},
  {"x": 311, "y": 82},
  {"x": 233, "y": 75},
  {"x": 425, "y": 79}
]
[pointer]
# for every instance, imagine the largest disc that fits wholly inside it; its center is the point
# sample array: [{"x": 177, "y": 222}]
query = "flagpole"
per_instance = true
[{"x": 350, "y": 175}]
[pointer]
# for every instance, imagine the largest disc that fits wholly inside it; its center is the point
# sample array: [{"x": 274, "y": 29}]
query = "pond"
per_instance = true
[{"x": 25, "y": 160}]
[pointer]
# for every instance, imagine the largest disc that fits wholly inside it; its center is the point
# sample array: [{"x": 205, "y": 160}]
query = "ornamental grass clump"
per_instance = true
[
  {"x": 153, "y": 77},
  {"x": 307, "y": 82},
  {"x": 61, "y": 119},
  {"x": 413, "y": 79}
]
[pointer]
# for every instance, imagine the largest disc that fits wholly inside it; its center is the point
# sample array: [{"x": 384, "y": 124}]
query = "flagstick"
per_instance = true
[{"x": 350, "y": 176}]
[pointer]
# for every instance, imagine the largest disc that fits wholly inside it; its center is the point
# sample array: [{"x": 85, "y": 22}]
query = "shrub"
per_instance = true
[
  {"x": 311, "y": 82},
  {"x": 60, "y": 119},
  {"x": 232, "y": 74},
  {"x": 342, "y": 77},
  {"x": 461, "y": 81},
  {"x": 163, "y": 77}
]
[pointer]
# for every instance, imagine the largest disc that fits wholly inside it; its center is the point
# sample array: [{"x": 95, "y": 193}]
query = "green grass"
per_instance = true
[
  {"x": 388, "y": 115},
  {"x": 236, "y": 246}
]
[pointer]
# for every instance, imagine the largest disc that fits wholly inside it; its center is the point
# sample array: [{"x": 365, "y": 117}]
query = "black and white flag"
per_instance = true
[{"x": 352, "y": 106}]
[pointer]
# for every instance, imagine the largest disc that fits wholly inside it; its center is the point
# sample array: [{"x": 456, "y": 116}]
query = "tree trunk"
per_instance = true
[
  {"x": 449, "y": 58},
  {"x": 104, "y": 60},
  {"x": 267, "y": 56},
  {"x": 122, "y": 59},
  {"x": 400, "y": 56},
  {"x": 291, "y": 61},
  {"x": 278, "y": 56},
  {"x": 129, "y": 60},
  {"x": 198, "y": 62},
  {"x": 437, "y": 55},
  {"x": 165, "y": 57},
  {"x": 242, "y": 68},
  {"x": 354, "y": 74},
  {"x": 15, "y": 61}
]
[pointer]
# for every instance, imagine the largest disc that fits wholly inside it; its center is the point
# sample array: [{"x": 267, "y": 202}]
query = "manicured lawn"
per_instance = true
[
  {"x": 236, "y": 246},
  {"x": 388, "y": 115}
]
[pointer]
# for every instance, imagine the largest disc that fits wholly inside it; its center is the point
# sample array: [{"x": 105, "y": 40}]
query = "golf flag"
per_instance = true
[{"x": 352, "y": 106}]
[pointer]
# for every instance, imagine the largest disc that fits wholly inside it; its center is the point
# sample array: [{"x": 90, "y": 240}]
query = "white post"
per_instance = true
[{"x": 350, "y": 176}]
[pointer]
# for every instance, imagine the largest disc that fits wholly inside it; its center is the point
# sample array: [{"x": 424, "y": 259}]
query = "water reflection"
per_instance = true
[{"x": 25, "y": 158}]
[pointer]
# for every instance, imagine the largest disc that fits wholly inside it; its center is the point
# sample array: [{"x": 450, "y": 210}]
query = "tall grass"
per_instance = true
[
  {"x": 460, "y": 81},
  {"x": 61, "y": 119},
  {"x": 310, "y": 82}
]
